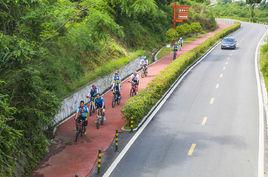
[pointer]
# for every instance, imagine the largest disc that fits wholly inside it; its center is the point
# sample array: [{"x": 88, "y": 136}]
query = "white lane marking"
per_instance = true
[
  {"x": 226, "y": 63},
  {"x": 204, "y": 120},
  {"x": 261, "y": 113},
  {"x": 221, "y": 75},
  {"x": 212, "y": 100},
  {"x": 217, "y": 86},
  {"x": 151, "y": 116},
  {"x": 224, "y": 68}
]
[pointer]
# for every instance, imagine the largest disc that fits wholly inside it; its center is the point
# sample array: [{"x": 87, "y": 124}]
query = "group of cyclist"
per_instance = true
[{"x": 97, "y": 100}]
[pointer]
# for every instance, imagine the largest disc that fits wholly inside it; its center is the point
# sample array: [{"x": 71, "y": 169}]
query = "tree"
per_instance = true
[
  {"x": 252, "y": 4},
  {"x": 8, "y": 136}
]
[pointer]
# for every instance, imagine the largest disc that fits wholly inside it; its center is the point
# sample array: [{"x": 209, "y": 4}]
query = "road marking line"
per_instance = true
[
  {"x": 151, "y": 116},
  {"x": 211, "y": 100},
  {"x": 261, "y": 111},
  {"x": 204, "y": 120},
  {"x": 223, "y": 68},
  {"x": 217, "y": 86},
  {"x": 221, "y": 75},
  {"x": 191, "y": 150},
  {"x": 226, "y": 63}
]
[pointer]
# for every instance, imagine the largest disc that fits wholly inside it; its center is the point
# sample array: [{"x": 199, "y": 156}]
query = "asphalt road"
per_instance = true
[{"x": 209, "y": 126}]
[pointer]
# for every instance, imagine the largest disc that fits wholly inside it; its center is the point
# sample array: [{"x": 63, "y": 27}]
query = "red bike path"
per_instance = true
[{"x": 67, "y": 158}]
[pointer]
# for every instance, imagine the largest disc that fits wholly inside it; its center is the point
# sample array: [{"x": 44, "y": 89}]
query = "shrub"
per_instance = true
[
  {"x": 172, "y": 34},
  {"x": 264, "y": 63},
  {"x": 138, "y": 106},
  {"x": 196, "y": 27}
]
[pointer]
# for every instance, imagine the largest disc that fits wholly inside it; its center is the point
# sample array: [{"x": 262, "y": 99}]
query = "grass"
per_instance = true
[
  {"x": 105, "y": 69},
  {"x": 264, "y": 63}
]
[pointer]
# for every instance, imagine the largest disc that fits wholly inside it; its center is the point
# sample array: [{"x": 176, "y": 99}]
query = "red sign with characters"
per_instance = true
[{"x": 180, "y": 13}]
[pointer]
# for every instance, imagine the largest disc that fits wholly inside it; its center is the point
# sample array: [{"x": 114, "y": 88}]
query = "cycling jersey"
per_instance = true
[
  {"x": 117, "y": 78},
  {"x": 99, "y": 102},
  {"x": 143, "y": 61},
  {"x": 93, "y": 92},
  {"x": 135, "y": 78},
  {"x": 83, "y": 111},
  {"x": 116, "y": 81}
]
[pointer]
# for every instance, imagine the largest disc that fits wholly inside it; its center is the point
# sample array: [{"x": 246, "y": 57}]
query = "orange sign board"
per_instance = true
[{"x": 180, "y": 13}]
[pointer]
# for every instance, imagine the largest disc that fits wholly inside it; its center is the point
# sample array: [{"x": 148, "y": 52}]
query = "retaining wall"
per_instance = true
[{"x": 70, "y": 104}]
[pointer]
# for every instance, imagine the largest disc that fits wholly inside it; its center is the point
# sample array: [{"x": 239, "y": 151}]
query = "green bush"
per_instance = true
[
  {"x": 184, "y": 30},
  {"x": 172, "y": 35},
  {"x": 137, "y": 107},
  {"x": 264, "y": 63}
]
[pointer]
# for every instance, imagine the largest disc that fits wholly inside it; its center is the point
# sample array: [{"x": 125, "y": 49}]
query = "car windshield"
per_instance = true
[{"x": 228, "y": 40}]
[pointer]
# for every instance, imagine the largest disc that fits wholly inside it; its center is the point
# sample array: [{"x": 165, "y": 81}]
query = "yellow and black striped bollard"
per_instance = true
[
  {"x": 116, "y": 140},
  {"x": 131, "y": 124},
  {"x": 99, "y": 161}
]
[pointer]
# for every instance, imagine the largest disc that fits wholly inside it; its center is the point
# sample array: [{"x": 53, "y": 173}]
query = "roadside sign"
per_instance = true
[{"x": 180, "y": 13}]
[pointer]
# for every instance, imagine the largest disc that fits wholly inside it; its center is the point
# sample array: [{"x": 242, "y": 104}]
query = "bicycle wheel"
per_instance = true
[
  {"x": 131, "y": 92},
  {"x": 102, "y": 120},
  {"x": 83, "y": 130},
  {"x": 118, "y": 101},
  {"x": 113, "y": 102},
  {"x": 90, "y": 110},
  {"x": 98, "y": 123},
  {"x": 77, "y": 135}
]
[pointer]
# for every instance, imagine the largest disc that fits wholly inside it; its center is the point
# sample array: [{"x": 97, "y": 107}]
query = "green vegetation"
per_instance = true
[
  {"x": 184, "y": 30},
  {"x": 49, "y": 48},
  {"x": 264, "y": 63},
  {"x": 242, "y": 11},
  {"x": 138, "y": 106}
]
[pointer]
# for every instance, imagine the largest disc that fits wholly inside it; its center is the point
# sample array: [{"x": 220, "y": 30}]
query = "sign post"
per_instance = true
[{"x": 180, "y": 13}]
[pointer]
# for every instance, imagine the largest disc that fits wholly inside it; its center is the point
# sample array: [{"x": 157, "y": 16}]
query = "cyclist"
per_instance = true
[
  {"x": 135, "y": 79},
  {"x": 99, "y": 102},
  {"x": 116, "y": 83},
  {"x": 144, "y": 62},
  {"x": 81, "y": 114},
  {"x": 116, "y": 89},
  {"x": 94, "y": 90},
  {"x": 180, "y": 42},
  {"x": 175, "y": 49}
]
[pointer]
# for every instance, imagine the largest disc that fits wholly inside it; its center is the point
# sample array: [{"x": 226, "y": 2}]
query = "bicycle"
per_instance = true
[
  {"x": 100, "y": 118},
  {"x": 144, "y": 71},
  {"x": 116, "y": 98},
  {"x": 91, "y": 106},
  {"x": 134, "y": 89},
  {"x": 80, "y": 128}
]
